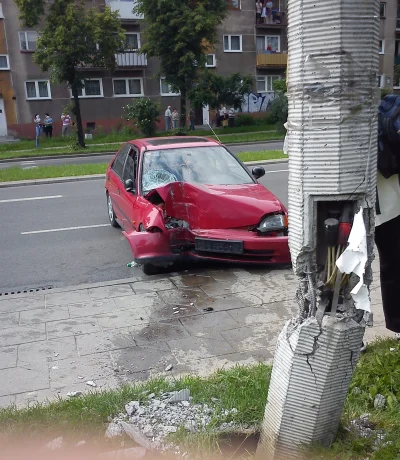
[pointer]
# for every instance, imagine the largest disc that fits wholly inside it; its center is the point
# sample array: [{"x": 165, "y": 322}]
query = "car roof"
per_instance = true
[{"x": 154, "y": 143}]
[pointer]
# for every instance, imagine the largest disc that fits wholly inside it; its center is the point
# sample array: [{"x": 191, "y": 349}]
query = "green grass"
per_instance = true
[
  {"x": 243, "y": 388},
  {"x": 261, "y": 155},
  {"x": 45, "y": 172},
  {"x": 111, "y": 143}
]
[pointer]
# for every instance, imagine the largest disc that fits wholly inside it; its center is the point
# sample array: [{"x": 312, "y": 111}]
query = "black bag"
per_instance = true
[{"x": 389, "y": 136}]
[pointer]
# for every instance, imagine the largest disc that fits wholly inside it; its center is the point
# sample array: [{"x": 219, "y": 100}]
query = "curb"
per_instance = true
[
  {"x": 101, "y": 154},
  {"x": 60, "y": 180}
]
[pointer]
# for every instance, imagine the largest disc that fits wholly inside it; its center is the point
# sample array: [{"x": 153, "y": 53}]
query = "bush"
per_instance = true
[
  {"x": 244, "y": 119},
  {"x": 183, "y": 131},
  {"x": 279, "y": 107},
  {"x": 144, "y": 114},
  {"x": 128, "y": 131}
]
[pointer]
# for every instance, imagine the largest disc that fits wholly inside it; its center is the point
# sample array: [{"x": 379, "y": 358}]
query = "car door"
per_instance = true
[
  {"x": 128, "y": 198},
  {"x": 115, "y": 184}
]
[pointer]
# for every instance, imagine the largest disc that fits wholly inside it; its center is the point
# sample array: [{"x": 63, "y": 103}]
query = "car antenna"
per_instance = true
[{"x": 213, "y": 132}]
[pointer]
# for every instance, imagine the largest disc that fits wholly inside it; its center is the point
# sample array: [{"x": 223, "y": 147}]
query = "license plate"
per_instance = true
[{"x": 221, "y": 246}]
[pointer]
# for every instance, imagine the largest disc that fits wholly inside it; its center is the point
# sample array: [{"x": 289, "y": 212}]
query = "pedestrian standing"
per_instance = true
[
  {"x": 167, "y": 118},
  {"x": 387, "y": 230},
  {"x": 232, "y": 114},
  {"x": 66, "y": 124},
  {"x": 38, "y": 127},
  {"x": 222, "y": 113},
  {"x": 191, "y": 120},
  {"x": 48, "y": 125},
  {"x": 259, "y": 7},
  {"x": 175, "y": 119}
]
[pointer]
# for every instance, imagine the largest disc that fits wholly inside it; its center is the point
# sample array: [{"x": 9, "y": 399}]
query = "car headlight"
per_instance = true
[{"x": 273, "y": 223}]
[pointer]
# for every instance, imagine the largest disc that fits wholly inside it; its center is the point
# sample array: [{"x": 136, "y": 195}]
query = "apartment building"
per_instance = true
[{"x": 246, "y": 44}]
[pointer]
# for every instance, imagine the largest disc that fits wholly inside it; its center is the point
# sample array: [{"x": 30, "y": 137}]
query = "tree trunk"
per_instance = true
[
  {"x": 183, "y": 108},
  {"x": 79, "y": 127}
]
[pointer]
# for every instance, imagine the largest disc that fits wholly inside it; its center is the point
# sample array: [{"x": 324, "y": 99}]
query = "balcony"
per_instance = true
[
  {"x": 276, "y": 21},
  {"x": 272, "y": 60},
  {"x": 125, "y": 9},
  {"x": 131, "y": 59}
]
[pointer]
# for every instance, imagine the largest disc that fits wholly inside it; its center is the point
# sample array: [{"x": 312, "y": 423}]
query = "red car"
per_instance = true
[{"x": 189, "y": 197}]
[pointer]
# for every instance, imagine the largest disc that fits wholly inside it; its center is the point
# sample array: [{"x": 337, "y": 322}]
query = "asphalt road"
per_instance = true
[
  {"x": 43, "y": 243},
  {"x": 107, "y": 158}
]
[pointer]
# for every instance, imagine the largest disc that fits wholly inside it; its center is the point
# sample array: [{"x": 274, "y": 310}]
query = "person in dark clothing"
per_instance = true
[{"x": 48, "y": 125}]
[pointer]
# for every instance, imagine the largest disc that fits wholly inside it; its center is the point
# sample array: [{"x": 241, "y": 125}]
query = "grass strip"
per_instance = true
[
  {"x": 45, "y": 172},
  {"x": 114, "y": 146},
  {"x": 243, "y": 388},
  {"x": 16, "y": 173}
]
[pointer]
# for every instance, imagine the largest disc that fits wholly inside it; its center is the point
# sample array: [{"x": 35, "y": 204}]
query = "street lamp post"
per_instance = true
[{"x": 332, "y": 138}]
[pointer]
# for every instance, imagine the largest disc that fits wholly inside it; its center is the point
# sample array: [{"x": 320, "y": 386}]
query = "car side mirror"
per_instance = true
[
  {"x": 129, "y": 185},
  {"x": 258, "y": 172}
]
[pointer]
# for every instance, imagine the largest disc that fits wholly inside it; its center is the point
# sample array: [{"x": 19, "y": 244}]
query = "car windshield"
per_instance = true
[{"x": 195, "y": 165}]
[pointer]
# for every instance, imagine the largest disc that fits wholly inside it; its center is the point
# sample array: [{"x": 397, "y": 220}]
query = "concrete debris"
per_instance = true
[
  {"x": 178, "y": 396},
  {"x": 392, "y": 349},
  {"x": 80, "y": 444},
  {"x": 356, "y": 391},
  {"x": 55, "y": 443},
  {"x": 134, "y": 453},
  {"x": 151, "y": 396},
  {"x": 91, "y": 383},
  {"x": 56, "y": 355},
  {"x": 113, "y": 430},
  {"x": 155, "y": 419},
  {"x": 379, "y": 401},
  {"x": 54, "y": 368},
  {"x": 132, "y": 407},
  {"x": 168, "y": 368},
  {"x": 137, "y": 436},
  {"x": 364, "y": 428},
  {"x": 73, "y": 394}
]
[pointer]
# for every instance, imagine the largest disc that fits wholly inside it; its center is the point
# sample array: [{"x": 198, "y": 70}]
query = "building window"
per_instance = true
[
  {"x": 233, "y": 4},
  {"x": 27, "y": 41},
  {"x": 268, "y": 44},
  {"x": 232, "y": 43},
  {"x": 380, "y": 81},
  {"x": 381, "y": 46},
  {"x": 37, "y": 89},
  {"x": 127, "y": 87},
  {"x": 383, "y": 9},
  {"x": 132, "y": 42},
  {"x": 92, "y": 88},
  {"x": 4, "y": 62},
  {"x": 166, "y": 89},
  {"x": 265, "y": 83},
  {"x": 210, "y": 60}
]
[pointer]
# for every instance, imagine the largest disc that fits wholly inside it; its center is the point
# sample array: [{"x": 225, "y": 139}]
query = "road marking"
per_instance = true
[
  {"x": 64, "y": 229},
  {"x": 33, "y": 198},
  {"x": 278, "y": 170}
]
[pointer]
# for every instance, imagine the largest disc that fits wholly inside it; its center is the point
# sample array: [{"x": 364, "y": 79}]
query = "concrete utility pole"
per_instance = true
[{"x": 332, "y": 145}]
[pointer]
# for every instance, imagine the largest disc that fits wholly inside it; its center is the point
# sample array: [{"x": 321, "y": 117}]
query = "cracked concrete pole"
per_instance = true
[{"x": 332, "y": 138}]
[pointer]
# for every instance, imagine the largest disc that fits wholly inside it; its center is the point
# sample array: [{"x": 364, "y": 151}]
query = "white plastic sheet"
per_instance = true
[{"x": 354, "y": 259}]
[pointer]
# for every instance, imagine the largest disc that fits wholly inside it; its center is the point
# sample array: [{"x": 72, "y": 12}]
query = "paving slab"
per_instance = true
[{"x": 126, "y": 331}]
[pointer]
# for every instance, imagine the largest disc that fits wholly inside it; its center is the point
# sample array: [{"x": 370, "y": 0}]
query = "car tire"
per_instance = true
[
  {"x": 111, "y": 213},
  {"x": 150, "y": 269}
]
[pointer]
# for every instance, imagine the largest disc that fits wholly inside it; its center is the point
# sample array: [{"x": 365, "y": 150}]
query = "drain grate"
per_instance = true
[{"x": 25, "y": 291}]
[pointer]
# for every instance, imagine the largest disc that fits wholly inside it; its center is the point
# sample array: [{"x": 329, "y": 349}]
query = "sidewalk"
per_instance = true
[{"x": 118, "y": 332}]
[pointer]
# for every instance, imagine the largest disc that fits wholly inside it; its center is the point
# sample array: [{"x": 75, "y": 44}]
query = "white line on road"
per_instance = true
[
  {"x": 278, "y": 170},
  {"x": 63, "y": 229},
  {"x": 33, "y": 198}
]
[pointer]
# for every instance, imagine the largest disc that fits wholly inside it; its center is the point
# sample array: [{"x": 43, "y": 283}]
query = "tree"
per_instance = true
[
  {"x": 214, "y": 90},
  {"x": 279, "y": 107},
  {"x": 144, "y": 113},
  {"x": 179, "y": 33},
  {"x": 72, "y": 39}
]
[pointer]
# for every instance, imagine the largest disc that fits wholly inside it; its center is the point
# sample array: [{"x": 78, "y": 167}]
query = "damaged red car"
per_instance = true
[{"x": 180, "y": 198}]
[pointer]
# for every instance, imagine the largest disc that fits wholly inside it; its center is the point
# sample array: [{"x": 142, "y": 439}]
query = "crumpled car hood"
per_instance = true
[{"x": 217, "y": 206}]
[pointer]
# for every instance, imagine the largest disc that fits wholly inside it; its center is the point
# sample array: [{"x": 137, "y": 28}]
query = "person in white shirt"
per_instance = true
[
  {"x": 259, "y": 7},
  {"x": 167, "y": 118},
  {"x": 222, "y": 113}
]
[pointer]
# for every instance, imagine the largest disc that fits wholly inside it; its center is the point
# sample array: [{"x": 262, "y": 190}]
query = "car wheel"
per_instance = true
[
  {"x": 111, "y": 214},
  {"x": 149, "y": 269}
]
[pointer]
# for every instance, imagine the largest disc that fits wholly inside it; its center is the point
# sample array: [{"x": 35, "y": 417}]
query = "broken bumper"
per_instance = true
[{"x": 164, "y": 248}]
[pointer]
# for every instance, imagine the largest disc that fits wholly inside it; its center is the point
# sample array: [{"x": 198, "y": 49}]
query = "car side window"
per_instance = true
[
  {"x": 130, "y": 166},
  {"x": 119, "y": 161}
]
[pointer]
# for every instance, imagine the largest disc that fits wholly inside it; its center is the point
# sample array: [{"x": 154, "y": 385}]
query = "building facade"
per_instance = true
[{"x": 251, "y": 44}]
